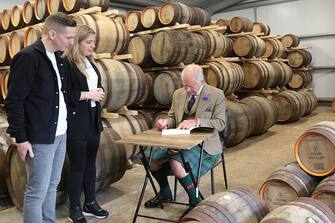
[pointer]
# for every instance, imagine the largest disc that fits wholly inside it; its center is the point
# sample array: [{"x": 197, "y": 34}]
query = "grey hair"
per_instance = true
[{"x": 196, "y": 70}]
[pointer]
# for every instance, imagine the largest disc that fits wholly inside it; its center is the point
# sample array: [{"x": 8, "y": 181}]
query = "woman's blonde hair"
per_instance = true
[{"x": 72, "y": 53}]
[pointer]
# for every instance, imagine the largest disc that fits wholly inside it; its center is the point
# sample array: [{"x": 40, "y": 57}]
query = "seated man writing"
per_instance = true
[{"x": 196, "y": 104}]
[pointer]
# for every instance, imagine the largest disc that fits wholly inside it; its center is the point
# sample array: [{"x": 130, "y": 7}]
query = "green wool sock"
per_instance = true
[
  {"x": 161, "y": 177},
  {"x": 188, "y": 185}
]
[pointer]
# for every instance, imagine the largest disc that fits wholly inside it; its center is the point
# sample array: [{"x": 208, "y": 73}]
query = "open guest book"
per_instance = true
[{"x": 166, "y": 132}]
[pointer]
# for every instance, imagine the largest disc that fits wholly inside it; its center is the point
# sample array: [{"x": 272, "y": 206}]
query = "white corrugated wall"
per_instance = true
[{"x": 303, "y": 18}]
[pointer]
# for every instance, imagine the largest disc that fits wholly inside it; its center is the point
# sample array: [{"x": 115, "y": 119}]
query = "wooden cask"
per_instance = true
[
  {"x": 71, "y": 6},
  {"x": 32, "y": 34},
  {"x": 41, "y": 10},
  {"x": 224, "y": 75},
  {"x": 6, "y": 141},
  {"x": 258, "y": 74},
  {"x": 124, "y": 126},
  {"x": 237, "y": 205},
  {"x": 261, "y": 112},
  {"x": 16, "y": 178},
  {"x": 240, "y": 24},
  {"x": 165, "y": 84},
  {"x": 16, "y": 18},
  {"x": 302, "y": 210},
  {"x": 172, "y": 47},
  {"x": 261, "y": 27},
  {"x": 111, "y": 161},
  {"x": 300, "y": 79},
  {"x": 54, "y": 6},
  {"x": 4, "y": 50},
  {"x": 5, "y": 20},
  {"x": 112, "y": 36},
  {"x": 248, "y": 46},
  {"x": 133, "y": 21},
  {"x": 148, "y": 96},
  {"x": 286, "y": 184},
  {"x": 325, "y": 192},
  {"x": 28, "y": 14},
  {"x": 299, "y": 58},
  {"x": 283, "y": 73},
  {"x": 16, "y": 40},
  {"x": 139, "y": 48},
  {"x": 315, "y": 148},
  {"x": 273, "y": 49},
  {"x": 4, "y": 85},
  {"x": 238, "y": 124},
  {"x": 149, "y": 18},
  {"x": 290, "y": 40},
  {"x": 290, "y": 106},
  {"x": 123, "y": 83},
  {"x": 217, "y": 44},
  {"x": 311, "y": 101}
]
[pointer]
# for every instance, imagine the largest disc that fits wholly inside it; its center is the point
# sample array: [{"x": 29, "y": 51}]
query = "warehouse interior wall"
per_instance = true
[{"x": 313, "y": 21}]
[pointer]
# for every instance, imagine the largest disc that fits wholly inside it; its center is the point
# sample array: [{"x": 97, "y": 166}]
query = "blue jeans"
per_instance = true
[{"x": 44, "y": 173}]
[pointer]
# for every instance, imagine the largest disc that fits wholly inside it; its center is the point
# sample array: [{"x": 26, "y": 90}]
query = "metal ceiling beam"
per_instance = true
[{"x": 220, "y": 5}]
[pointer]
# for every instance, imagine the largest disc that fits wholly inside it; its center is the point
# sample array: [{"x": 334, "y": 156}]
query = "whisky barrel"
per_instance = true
[
  {"x": 172, "y": 47},
  {"x": 123, "y": 81},
  {"x": 238, "y": 205},
  {"x": 148, "y": 97},
  {"x": 283, "y": 73},
  {"x": 139, "y": 48},
  {"x": 286, "y": 184},
  {"x": 112, "y": 36},
  {"x": 172, "y": 12},
  {"x": 299, "y": 58},
  {"x": 290, "y": 40},
  {"x": 16, "y": 18},
  {"x": 224, "y": 22},
  {"x": 54, "y": 6},
  {"x": 258, "y": 74},
  {"x": 149, "y": 18},
  {"x": 218, "y": 45},
  {"x": 311, "y": 101},
  {"x": 127, "y": 125},
  {"x": 325, "y": 192},
  {"x": 224, "y": 75},
  {"x": 41, "y": 10},
  {"x": 260, "y": 27},
  {"x": 248, "y": 46},
  {"x": 32, "y": 34},
  {"x": 4, "y": 50},
  {"x": 28, "y": 14},
  {"x": 240, "y": 24},
  {"x": 315, "y": 149},
  {"x": 133, "y": 21},
  {"x": 148, "y": 116},
  {"x": 4, "y": 85},
  {"x": 16, "y": 178},
  {"x": 302, "y": 210},
  {"x": 300, "y": 79},
  {"x": 165, "y": 84},
  {"x": 71, "y": 6},
  {"x": 238, "y": 124},
  {"x": 111, "y": 161},
  {"x": 290, "y": 106},
  {"x": 261, "y": 112},
  {"x": 5, "y": 20},
  {"x": 273, "y": 49},
  {"x": 120, "y": 18},
  {"x": 6, "y": 141},
  {"x": 16, "y": 39}
]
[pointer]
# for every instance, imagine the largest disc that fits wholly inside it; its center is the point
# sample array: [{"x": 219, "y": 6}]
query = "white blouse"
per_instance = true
[{"x": 92, "y": 78}]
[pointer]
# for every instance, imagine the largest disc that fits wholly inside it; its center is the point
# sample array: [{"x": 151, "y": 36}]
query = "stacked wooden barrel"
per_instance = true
[{"x": 325, "y": 192}]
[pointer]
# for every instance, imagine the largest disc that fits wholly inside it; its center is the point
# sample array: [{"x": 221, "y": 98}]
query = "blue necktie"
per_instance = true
[{"x": 190, "y": 103}]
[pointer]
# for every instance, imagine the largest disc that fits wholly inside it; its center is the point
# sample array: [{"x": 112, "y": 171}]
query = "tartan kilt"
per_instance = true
[{"x": 192, "y": 156}]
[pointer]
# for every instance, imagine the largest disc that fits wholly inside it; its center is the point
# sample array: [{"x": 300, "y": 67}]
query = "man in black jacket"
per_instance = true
[{"x": 36, "y": 112}]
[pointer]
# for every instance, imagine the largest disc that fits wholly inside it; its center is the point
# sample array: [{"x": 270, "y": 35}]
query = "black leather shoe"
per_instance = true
[
  {"x": 156, "y": 201},
  {"x": 76, "y": 215},
  {"x": 94, "y": 210}
]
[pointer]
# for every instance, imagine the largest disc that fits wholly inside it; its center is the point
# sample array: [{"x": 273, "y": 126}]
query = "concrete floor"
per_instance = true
[{"x": 248, "y": 166}]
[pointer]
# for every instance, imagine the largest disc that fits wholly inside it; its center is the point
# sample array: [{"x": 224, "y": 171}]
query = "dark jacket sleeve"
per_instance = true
[
  {"x": 20, "y": 80},
  {"x": 74, "y": 95}
]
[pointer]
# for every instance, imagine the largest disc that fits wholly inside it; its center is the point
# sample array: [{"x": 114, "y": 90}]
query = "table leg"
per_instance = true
[{"x": 199, "y": 169}]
